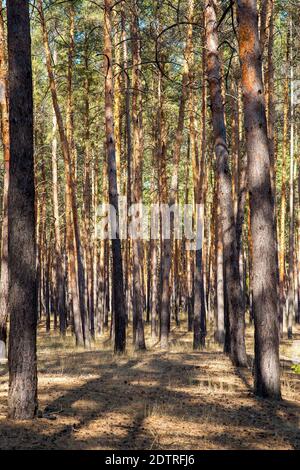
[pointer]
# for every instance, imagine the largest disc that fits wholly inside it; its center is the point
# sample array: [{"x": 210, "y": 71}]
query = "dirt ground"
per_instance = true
[{"x": 171, "y": 400}]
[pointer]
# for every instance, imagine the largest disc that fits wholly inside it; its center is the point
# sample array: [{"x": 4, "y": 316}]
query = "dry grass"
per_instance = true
[{"x": 172, "y": 400}]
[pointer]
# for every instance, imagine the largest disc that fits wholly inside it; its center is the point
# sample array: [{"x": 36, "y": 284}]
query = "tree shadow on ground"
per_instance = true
[{"x": 182, "y": 396}]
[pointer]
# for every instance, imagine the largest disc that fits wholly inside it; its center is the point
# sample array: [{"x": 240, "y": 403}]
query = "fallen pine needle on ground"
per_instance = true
[{"x": 180, "y": 399}]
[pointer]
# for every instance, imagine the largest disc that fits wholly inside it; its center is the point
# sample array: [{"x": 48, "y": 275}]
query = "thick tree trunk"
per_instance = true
[
  {"x": 22, "y": 299},
  {"x": 264, "y": 279},
  {"x": 232, "y": 275}
]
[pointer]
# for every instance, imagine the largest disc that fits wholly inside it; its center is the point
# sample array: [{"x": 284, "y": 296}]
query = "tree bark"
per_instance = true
[
  {"x": 198, "y": 163},
  {"x": 117, "y": 268},
  {"x": 22, "y": 298},
  {"x": 59, "y": 267},
  {"x": 5, "y": 143},
  {"x": 72, "y": 227},
  {"x": 137, "y": 167},
  {"x": 264, "y": 280},
  {"x": 291, "y": 306},
  {"x": 282, "y": 257},
  {"x": 232, "y": 275}
]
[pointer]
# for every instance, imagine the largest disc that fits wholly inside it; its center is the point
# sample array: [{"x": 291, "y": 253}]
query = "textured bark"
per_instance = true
[
  {"x": 298, "y": 246},
  {"x": 198, "y": 160},
  {"x": 22, "y": 298},
  {"x": 264, "y": 279},
  {"x": 220, "y": 323},
  {"x": 5, "y": 144},
  {"x": 117, "y": 96},
  {"x": 163, "y": 194},
  {"x": 239, "y": 176},
  {"x": 117, "y": 268},
  {"x": 269, "y": 80},
  {"x": 233, "y": 287},
  {"x": 70, "y": 100}
]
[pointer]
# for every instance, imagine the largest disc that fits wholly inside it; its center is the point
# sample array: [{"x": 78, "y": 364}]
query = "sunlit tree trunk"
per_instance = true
[
  {"x": 232, "y": 275},
  {"x": 285, "y": 148},
  {"x": 198, "y": 161},
  {"x": 87, "y": 228},
  {"x": 117, "y": 95},
  {"x": 72, "y": 227},
  {"x": 266, "y": 367},
  {"x": 5, "y": 144},
  {"x": 173, "y": 199},
  {"x": 137, "y": 168},
  {"x": 291, "y": 306},
  {"x": 59, "y": 266},
  {"x": 117, "y": 268},
  {"x": 220, "y": 321}
]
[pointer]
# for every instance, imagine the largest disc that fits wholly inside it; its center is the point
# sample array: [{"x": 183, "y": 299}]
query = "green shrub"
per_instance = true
[{"x": 296, "y": 368}]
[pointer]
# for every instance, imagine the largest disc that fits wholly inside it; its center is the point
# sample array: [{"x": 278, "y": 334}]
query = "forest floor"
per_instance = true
[{"x": 178, "y": 399}]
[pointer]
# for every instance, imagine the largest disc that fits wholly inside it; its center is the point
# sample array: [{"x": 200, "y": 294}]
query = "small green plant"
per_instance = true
[{"x": 296, "y": 368}]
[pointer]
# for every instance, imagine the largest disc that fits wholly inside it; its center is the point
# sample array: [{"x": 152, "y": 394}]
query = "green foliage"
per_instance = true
[{"x": 296, "y": 368}]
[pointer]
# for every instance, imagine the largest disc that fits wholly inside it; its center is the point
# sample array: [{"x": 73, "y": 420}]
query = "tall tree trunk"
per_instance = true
[
  {"x": 198, "y": 163},
  {"x": 22, "y": 297},
  {"x": 117, "y": 268},
  {"x": 41, "y": 235},
  {"x": 282, "y": 257},
  {"x": 232, "y": 275},
  {"x": 72, "y": 226},
  {"x": 5, "y": 143},
  {"x": 264, "y": 280},
  {"x": 291, "y": 306},
  {"x": 154, "y": 251},
  {"x": 163, "y": 199},
  {"x": 298, "y": 242},
  {"x": 173, "y": 199},
  {"x": 137, "y": 160},
  {"x": 88, "y": 197},
  {"x": 59, "y": 267},
  {"x": 81, "y": 279},
  {"x": 117, "y": 95}
]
